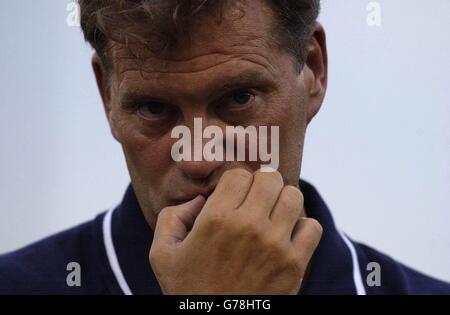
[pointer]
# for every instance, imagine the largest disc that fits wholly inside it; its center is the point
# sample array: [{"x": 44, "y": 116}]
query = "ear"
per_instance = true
[
  {"x": 105, "y": 93},
  {"x": 316, "y": 71}
]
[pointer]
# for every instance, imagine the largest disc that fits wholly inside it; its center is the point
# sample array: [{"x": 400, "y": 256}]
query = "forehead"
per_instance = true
[{"x": 242, "y": 39}]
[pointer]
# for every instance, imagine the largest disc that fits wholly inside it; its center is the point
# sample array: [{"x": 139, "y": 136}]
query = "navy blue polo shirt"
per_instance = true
[{"x": 112, "y": 253}]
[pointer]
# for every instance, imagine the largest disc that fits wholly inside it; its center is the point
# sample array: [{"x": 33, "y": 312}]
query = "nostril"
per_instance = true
[{"x": 199, "y": 172}]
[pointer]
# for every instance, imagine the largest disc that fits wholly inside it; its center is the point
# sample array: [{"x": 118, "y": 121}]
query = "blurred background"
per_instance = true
[{"x": 378, "y": 152}]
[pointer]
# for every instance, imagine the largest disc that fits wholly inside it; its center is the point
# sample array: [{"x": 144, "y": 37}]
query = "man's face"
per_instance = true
[{"x": 232, "y": 75}]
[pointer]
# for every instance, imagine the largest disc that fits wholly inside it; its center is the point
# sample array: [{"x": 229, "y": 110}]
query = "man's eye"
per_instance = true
[
  {"x": 240, "y": 99},
  {"x": 153, "y": 110}
]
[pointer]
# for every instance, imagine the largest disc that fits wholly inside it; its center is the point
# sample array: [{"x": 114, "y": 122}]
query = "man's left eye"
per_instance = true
[{"x": 240, "y": 99}]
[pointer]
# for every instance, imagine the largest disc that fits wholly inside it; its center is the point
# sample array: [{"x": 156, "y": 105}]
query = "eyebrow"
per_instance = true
[{"x": 249, "y": 79}]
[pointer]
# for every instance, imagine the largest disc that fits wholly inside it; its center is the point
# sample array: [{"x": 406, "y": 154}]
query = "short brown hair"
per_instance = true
[{"x": 161, "y": 25}]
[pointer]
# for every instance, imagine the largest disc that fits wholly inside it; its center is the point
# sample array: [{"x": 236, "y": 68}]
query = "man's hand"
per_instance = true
[{"x": 250, "y": 237}]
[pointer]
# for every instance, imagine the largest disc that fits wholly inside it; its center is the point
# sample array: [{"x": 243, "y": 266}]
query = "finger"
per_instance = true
[
  {"x": 174, "y": 223},
  {"x": 232, "y": 188},
  {"x": 306, "y": 236},
  {"x": 264, "y": 192},
  {"x": 287, "y": 211}
]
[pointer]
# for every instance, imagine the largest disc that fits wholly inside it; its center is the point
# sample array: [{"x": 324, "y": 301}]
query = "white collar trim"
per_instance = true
[{"x": 111, "y": 253}]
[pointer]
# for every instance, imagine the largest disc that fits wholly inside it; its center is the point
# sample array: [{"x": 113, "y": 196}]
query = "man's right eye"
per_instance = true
[{"x": 153, "y": 110}]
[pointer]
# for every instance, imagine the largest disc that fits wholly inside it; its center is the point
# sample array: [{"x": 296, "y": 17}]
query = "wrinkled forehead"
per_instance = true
[{"x": 244, "y": 29}]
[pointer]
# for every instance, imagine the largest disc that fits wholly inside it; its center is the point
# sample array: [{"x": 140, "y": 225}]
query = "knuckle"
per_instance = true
[
  {"x": 261, "y": 190},
  {"x": 287, "y": 205},
  {"x": 315, "y": 226},
  {"x": 290, "y": 199},
  {"x": 275, "y": 247},
  {"x": 293, "y": 193},
  {"x": 250, "y": 230},
  {"x": 216, "y": 220}
]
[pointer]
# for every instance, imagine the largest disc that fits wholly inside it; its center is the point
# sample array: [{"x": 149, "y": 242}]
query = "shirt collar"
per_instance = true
[{"x": 332, "y": 268}]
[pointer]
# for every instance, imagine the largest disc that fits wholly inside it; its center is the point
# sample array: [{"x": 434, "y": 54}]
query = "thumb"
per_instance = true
[{"x": 174, "y": 223}]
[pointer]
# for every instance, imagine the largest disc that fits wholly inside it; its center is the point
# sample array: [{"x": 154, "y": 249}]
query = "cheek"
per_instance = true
[
  {"x": 289, "y": 113},
  {"x": 148, "y": 156}
]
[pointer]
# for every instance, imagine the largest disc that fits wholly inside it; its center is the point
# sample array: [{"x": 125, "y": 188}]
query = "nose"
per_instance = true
[
  {"x": 200, "y": 170},
  {"x": 199, "y": 164}
]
